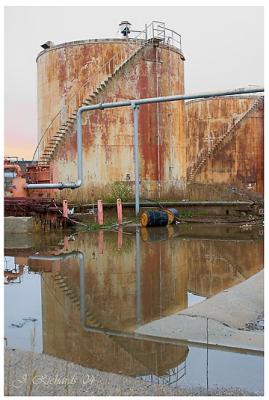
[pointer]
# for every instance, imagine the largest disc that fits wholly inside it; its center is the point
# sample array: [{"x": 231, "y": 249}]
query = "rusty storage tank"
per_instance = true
[
  {"x": 108, "y": 70},
  {"x": 225, "y": 147}
]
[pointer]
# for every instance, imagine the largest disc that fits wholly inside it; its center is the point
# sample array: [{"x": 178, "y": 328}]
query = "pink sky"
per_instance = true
[{"x": 223, "y": 47}]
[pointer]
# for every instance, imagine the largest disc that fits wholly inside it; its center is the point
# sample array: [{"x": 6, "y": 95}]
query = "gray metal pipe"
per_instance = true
[
  {"x": 138, "y": 277},
  {"x": 164, "y": 99},
  {"x": 133, "y": 103},
  {"x": 63, "y": 256},
  {"x": 136, "y": 160}
]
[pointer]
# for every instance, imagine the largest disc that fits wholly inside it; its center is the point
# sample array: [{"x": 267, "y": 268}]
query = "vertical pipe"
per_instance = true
[
  {"x": 119, "y": 211},
  {"x": 136, "y": 161},
  {"x": 146, "y": 33},
  {"x": 101, "y": 241},
  {"x": 82, "y": 289},
  {"x": 158, "y": 123},
  {"x": 207, "y": 355},
  {"x": 120, "y": 238},
  {"x": 65, "y": 209},
  {"x": 66, "y": 243},
  {"x": 138, "y": 276},
  {"x": 79, "y": 148},
  {"x": 100, "y": 212}
]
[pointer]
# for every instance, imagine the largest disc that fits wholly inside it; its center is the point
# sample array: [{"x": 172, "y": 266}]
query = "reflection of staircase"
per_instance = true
[
  {"x": 74, "y": 297},
  {"x": 163, "y": 374},
  {"x": 205, "y": 154},
  {"x": 110, "y": 69}
]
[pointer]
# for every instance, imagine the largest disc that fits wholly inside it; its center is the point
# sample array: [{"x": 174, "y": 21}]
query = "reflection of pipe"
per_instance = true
[
  {"x": 138, "y": 276},
  {"x": 14, "y": 167},
  {"x": 120, "y": 237},
  {"x": 64, "y": 256},
  {"x": 129, "y": 335},
  {"x": 178, "y": 342}
]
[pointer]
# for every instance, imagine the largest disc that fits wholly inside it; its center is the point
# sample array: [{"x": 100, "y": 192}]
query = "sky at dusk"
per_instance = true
[{"x": 223, "y": 47}]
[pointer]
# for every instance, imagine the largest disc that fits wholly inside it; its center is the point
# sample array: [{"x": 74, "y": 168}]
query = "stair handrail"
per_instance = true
[
  {"x": 206, "y": 152},
  {"x": 156, "y": 28},
  {"x": 77, "y": 93}
]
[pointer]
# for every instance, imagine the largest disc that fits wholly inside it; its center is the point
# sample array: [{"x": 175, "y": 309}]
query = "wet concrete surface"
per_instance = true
[{"x": 86, "y": 295}]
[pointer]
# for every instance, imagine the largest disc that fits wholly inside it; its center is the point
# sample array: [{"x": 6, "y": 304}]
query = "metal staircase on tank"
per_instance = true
[
  {"x": 74, "y": 296},
  {"x": 205, "y": 154},
  {"x": 67, "y": 126}
]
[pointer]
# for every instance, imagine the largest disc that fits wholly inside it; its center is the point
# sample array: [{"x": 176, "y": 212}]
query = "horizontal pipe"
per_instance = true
[
  {"x": 64, "y": 256},
  {"x": 133, "y": 103},
  {"x": 59, "y": 185},
  {"x": 172, "y": 203},
  {"x": 173, "y": 341},
  {"x": 164, "y": 99}
]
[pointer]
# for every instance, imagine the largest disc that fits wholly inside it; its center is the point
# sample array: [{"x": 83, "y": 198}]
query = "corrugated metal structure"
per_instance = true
[
  {"x": 98, "y": 71},
  {"x": 225, "y": 145}
]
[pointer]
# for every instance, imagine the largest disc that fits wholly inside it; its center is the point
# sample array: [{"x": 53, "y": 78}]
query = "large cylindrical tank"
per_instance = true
[
  {"x": 225, "y": 144},
  {"x": 108, "y": 71}
]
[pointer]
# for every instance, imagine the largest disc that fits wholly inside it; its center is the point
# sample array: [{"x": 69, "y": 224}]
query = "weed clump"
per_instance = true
[{"x": 119, "y": 190}]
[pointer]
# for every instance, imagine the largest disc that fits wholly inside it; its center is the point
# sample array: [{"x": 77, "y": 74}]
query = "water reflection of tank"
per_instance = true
[
  {"x": 65, "y": 338},
  {"x": 111, "y": 274},
  {"x": 168, "y": 269},
  {"x": 215, "y": 265}
]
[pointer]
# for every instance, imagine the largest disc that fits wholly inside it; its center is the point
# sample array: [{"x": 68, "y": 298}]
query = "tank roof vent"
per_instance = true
[
  {"x": 47, "y": 45},
  {"x": 125, "y": 28}
]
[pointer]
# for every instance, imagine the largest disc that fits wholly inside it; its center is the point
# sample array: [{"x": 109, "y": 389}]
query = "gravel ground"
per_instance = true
[
  {"x": 257, "y": 325},
  {"x": 34, "y": 374}
]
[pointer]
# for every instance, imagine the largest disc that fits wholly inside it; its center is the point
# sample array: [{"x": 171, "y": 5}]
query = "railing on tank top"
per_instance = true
[{"x": 158, "y": 30}]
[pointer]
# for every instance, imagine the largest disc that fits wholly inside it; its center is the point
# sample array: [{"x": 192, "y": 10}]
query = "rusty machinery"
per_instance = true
[{"x": 19, "y": 201}]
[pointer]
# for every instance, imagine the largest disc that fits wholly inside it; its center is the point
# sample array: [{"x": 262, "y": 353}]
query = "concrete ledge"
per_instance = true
[
  {"x": 18, "y": 224},
  {"x": 194, "y": 329},
  {"x": 208, "y": 322},
  {"x": 235, "y": 306}
]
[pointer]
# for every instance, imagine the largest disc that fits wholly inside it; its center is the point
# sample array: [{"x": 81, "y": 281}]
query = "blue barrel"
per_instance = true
[
  {"x": 173, "y": 214},
  {"x": 157, "y": 234},
  {"x": 154, "y": 218}
]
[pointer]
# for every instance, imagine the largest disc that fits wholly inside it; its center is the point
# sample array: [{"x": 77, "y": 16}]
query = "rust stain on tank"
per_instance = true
[
  {"x": 238, "y": 160},
  {"x": 108, "y": 144}
]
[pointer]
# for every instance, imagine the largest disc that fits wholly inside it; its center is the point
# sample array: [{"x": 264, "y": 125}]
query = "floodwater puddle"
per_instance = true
[{"x": 80, "y": 297}]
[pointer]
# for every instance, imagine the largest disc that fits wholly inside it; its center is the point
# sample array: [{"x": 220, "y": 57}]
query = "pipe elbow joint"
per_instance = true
[{"x": 77, "y": 184}]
